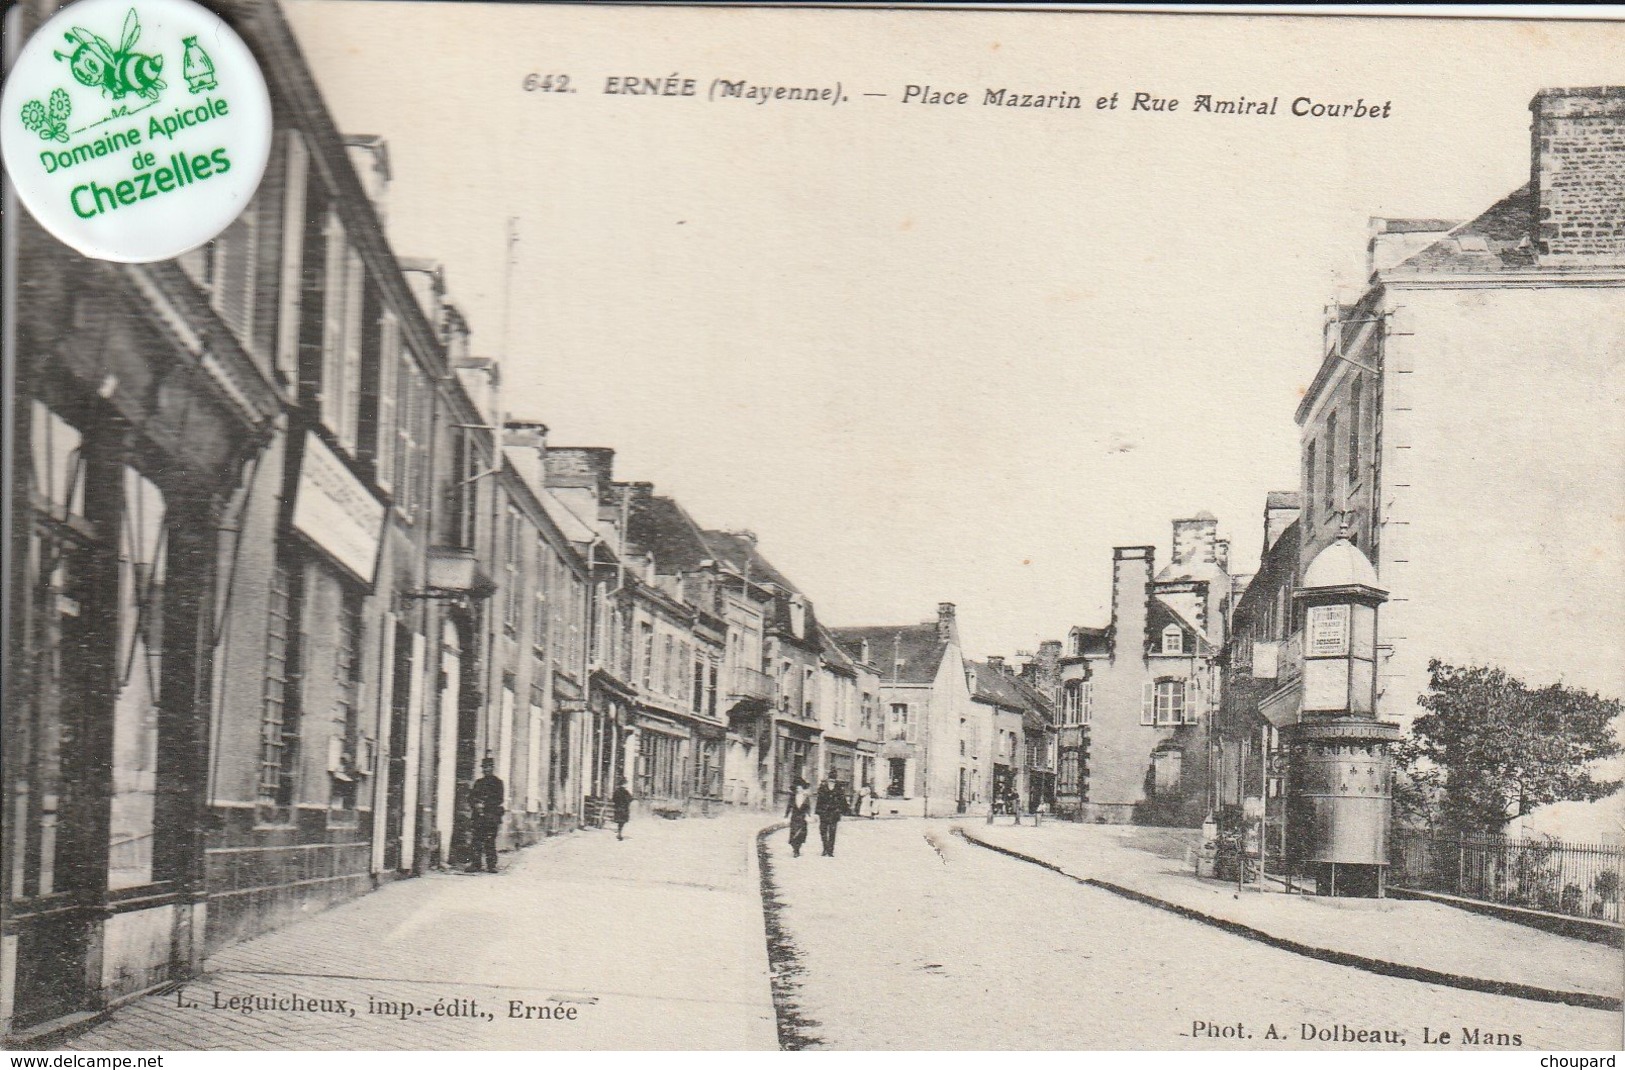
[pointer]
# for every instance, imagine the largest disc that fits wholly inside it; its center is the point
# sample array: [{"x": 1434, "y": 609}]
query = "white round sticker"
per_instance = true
[{"x": 135, "y": 130}]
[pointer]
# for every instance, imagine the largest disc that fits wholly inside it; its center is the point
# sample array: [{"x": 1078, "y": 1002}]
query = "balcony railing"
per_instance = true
[{"x": 750, "y": 683}]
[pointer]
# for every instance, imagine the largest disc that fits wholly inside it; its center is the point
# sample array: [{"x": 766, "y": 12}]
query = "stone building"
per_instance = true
[
  {"x": 1146, "y": 685},
  {"x": 1462, "y": 408},
  {"x": 935, "y": 749}
]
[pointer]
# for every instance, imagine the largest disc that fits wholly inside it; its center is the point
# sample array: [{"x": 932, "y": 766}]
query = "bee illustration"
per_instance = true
[{"x": 117, "y": 71}]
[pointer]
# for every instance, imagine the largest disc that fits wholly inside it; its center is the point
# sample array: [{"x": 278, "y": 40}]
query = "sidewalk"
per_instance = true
[
  {"x": 655, "y": 942},
  {"x": 1410, "y": 938}
]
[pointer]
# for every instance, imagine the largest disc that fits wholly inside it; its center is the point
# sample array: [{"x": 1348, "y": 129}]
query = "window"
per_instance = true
[
  {"x": 279, "y": 716},
  {"x": 898, "y": 727},
  {"x": 142, "y": 549},
  {"x": 1331, "y": 458},
  {"x": 1166, "y": 766},
  {"x": 646, "y": 637},
  {"x": 1071, "y": 773},
  {"x": 1173, "y": 640},
  {"x": 809, "y": 689},
  {"x": 1072, "y": 702},
  {"x": 346, "y": 701},
  {"x": 1164, "y": 704},
  {"x": 866, "y": 711},
  {"x": 539, "y": 607},
  {"x": 1355, "y": 403},
  {"x": 386, "y": 355},
  {"x": 711, "y": 689},
  {"x": 513, "y": 593},
  {"x": 1088, "y": 701},
  {"x": 1309, "y": 480},
  {"x": 412, "y": 405},
  {"x": 699, "y": 685},
  {"x": 462, "y": 493}
]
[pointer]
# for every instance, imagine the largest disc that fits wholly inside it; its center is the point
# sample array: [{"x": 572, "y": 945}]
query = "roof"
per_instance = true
[
  {"x": 837, "y": 658},
  {"x": 663, "y": 528},
  {"x": 1096, "y": 641},
  {"x": 1340, "y": 565},
  {"x": 999, "y": 688},
  {"x": 1416, "y": 226},
  {"x": 1192, "y": 569},
  {"x": 1163, "y": 610},
  {"x": 1283, "y": 499},
  {"x": 904, "y": 653},
  {"x": 739, "y": 550},
  {"x": 1499, "y": 239}
]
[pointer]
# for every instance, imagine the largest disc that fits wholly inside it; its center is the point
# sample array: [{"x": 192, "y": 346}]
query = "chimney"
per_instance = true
[
  {"x": 527, "y": 434},
  {"x": 947, "y": 627},
  {"x": 1221, "y": 554},
  {"x": 369, "y": 157},
  {"x": 1577, "y": 173},
  {"x": 996, "y": 663},
  {"x": 1280, "y": 510},
  {"x": 1132, "y": 570},
  {"x": 1195, "y": 539},
  {"x": 863, "y": 653}
]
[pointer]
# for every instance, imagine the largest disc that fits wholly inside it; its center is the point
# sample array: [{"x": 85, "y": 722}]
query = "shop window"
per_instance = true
[{"x": 141, "y": 556}]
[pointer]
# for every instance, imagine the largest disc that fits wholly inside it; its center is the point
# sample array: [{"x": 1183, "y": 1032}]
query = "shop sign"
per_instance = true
[{"x": 334, "y": 510}]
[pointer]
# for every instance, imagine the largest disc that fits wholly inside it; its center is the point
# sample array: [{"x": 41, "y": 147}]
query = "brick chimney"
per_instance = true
[
  {"x": 947, "y": 626},
  {"x": 1577, "y": 172},
  {"x": 996, "y": 663}
]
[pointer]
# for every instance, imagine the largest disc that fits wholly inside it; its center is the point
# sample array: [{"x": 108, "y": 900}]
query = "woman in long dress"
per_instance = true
[{"x": 797, "y": 811}]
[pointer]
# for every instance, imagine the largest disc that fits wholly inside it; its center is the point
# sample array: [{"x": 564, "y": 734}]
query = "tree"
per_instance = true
[{"x": 1490, "y": 748}]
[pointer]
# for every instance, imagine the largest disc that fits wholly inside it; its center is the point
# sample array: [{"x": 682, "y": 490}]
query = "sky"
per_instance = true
[{"x": 927, "y": 352}]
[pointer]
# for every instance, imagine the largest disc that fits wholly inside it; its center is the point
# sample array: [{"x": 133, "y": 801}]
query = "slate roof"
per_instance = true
[
  {"x": 1095, "y": 641},
  {"x": 1162, "y": 613},
  {"x": 739, "y": 551},
  {"x": 833, "y": 653},
  {"x": 663, "y": 528},
  {"x": 904, "y": 653},
  {"x": 1499, "y": 239},
  {"x": 1001, "y": 689}
]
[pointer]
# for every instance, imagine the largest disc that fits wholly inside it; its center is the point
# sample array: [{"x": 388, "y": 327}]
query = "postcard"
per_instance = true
[{"x": 679, "y": 527}]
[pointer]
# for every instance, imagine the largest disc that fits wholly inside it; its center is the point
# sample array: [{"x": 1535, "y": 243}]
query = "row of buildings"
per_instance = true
[{"x": 284, "y": 571}]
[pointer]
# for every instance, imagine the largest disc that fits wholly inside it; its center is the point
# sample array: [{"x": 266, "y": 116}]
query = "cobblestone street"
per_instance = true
[
  {"x": 912, "y": 938},
  {"x": 655, "y": 942}
]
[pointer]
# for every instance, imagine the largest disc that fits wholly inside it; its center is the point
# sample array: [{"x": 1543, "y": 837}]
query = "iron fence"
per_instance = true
[{"x": 1579, "y": 879}]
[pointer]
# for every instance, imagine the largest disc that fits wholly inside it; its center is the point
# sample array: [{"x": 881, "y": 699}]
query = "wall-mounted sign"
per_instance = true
[
  {"x": 334, "y": 510},
  {"x": 1328, "y": 631}
]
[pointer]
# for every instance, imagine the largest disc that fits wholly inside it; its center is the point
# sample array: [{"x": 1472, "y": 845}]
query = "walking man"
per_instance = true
[
  {"x": 830, "y": 806},
  {"x": 485, "y": 802},
  {"x": 622, "y": 802}
]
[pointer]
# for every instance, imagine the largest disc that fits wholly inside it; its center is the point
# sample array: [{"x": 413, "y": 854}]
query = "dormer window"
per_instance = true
[{"x": 1173, "y": 640}]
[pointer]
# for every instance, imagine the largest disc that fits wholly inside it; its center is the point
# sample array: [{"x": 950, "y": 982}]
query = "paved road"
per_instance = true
[{"x": 911, "y": 938}]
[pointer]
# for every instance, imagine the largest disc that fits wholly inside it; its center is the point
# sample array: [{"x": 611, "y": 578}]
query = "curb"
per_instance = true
[{"x": 1588, "y": 1000}]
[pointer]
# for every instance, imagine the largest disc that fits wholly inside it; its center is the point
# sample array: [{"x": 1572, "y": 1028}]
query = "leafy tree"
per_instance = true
[{"x": 1490, "y": 748}]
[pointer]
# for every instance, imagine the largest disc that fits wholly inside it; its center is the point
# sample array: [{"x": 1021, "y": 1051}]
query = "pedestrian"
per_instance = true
[
  {"x": 1015, "y": 804},
  {"x": 800, "y": 804},
  {"x": 873, "y": 807},
  {"x": 485, "y": 803},
  {"x": 830, "y": 806},
  {"x": 622, "y": 801}
]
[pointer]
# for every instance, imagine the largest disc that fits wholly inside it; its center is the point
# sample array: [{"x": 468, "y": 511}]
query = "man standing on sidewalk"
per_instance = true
[
  {"x": 485, "y": 801},
  {"x": 829, "y": 807}
]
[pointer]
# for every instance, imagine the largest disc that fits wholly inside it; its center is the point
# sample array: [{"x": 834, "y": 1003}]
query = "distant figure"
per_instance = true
[
  {"x": 485, "y": 802},
  {"x": 872, "y": 803},
  {"x": 622, "y": 801},
  {"x": 800, "y": 805},
  {"x": 1013, "y": 801},
  {"x": 830, "y": 806}
]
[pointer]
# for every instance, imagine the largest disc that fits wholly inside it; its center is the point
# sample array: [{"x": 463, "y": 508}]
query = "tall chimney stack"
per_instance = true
[
  {"x": 1577, "y": 173},
  {"x": 947, "y": 627}
]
